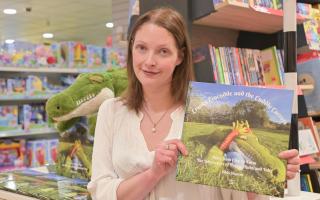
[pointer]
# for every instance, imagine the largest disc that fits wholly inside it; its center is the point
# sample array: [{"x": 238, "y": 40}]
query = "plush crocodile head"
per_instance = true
[{"x": 84, "y": 96}]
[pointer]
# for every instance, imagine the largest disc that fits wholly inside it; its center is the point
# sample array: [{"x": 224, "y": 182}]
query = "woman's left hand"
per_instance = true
[{"x": 293, "y": 162}]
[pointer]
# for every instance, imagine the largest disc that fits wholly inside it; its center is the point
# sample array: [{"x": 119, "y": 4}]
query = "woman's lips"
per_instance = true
[{"x": 149, "y": 73}]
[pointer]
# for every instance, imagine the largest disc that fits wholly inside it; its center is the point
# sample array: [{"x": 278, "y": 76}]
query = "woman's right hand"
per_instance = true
[{"x": 166, "y": 156}]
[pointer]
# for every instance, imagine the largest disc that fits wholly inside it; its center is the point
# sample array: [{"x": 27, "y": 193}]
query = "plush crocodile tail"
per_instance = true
[{"x": 273, "y": 167}]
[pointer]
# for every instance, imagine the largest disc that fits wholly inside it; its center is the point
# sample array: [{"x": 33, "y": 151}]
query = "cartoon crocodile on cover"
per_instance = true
[{"x": 68, "y": 109}]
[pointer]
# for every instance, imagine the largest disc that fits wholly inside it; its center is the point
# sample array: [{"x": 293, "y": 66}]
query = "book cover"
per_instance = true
[
  {"x": 307, "y": 123},
  {"x": 307, "y": 143},
  {"x": 234, "y": 135},
  {"x": 203, "y": 63},
  {"x": 271, "y": 68},
  {"x": 308, "y": 71},
  {"x": 75, "y": 151},
  {"x": 43, "y": 185}
]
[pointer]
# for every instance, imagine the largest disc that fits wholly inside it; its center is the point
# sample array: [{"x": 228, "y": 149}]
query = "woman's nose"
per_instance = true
[{"x": 150, "y": 59}]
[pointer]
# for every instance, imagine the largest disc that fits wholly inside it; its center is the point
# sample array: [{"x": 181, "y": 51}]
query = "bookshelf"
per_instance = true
[{"x": 245, "y": 17}]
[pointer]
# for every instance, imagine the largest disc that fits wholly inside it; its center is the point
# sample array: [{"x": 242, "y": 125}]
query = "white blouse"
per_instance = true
[{"x": 120, "y": 152}]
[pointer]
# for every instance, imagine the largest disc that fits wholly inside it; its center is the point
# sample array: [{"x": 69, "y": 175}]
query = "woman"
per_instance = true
[{"x": 137, "y": 136}]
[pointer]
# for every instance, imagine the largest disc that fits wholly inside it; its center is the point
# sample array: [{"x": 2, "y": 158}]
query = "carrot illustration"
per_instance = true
[{"x": 227, "y": 141}]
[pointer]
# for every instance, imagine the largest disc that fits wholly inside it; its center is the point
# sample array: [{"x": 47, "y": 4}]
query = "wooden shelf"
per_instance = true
[
  {"x": 33, "y": 132},
  {"x": 306, "y": 87},
  {"x": 59, "y": 70},
  {"x": 315, "y": 165},
  {"x": 246, "y": 17}
]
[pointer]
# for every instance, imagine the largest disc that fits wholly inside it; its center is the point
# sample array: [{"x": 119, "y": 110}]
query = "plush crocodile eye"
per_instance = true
[
  {"x": 58, "y": 107},
  {"x": 96, "y": 78}
]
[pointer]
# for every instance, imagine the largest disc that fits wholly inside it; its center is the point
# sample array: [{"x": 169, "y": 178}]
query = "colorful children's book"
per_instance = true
[
  {"x": 234, "y": 135},
  {"x": 271, "y": 68},
  {"x": 307, "y": 143},
  {"x": 308, "y": 71},
  {"x": 43, "y": 185},
  {"x": 75, "y": 152},
  {"x": 307, "y": 123}
]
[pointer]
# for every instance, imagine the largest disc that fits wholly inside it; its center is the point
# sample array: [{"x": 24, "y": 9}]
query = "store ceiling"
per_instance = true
[{"x": 75, "y": 20}]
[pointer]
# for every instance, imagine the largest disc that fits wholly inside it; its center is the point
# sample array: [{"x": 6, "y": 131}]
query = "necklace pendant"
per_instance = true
[{"x": 153, "y": 130}]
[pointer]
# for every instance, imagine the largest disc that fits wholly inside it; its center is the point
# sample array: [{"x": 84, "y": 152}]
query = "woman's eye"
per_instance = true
[
  {"x": 141, "y": 48},
  {"x": 164, "y": 52}
]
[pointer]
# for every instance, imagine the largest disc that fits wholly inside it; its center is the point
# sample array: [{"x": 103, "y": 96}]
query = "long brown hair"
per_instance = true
[{"x": 173, "y": 22}]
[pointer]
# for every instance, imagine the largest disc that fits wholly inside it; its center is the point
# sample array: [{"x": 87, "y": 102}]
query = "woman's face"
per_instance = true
[{"x": 154, "y": 55}]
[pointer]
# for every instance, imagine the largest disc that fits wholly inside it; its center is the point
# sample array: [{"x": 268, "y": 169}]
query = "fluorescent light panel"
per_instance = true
[
  {"x": 47, "y": 35},
  {"x": 109, "y": 25},
  {"x": 9, "y": 41},
  {"x": 10, "y": 11}
]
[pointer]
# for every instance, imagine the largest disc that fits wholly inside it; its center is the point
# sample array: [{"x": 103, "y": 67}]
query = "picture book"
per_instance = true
[
  {"x": 75, "y": 151},
  {"x": 307, "y": 75},
  {"x": 307, "y": 123},
  {"x": 271, "y": 66},
  {"x": 43, "y": 185},
  {"x": 234, "y": 135},
  {"x": 307, "y": 143}
]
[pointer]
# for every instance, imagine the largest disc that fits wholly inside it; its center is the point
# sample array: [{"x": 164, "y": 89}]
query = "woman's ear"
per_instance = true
[{"x": 180, "y": 56}]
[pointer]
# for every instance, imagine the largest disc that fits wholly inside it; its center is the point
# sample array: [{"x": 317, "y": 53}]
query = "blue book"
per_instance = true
[{"x": 308, "y": 73}]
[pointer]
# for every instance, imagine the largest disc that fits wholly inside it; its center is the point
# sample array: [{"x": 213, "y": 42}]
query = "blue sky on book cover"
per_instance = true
[{"x": 270, "y": 97}]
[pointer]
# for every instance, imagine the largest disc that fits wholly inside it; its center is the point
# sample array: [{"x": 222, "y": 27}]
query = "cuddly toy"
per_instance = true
[{"x": 70, "y": 109}]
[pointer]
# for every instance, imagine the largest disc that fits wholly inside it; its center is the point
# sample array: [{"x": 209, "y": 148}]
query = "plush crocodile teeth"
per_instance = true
[{"x": 87, "y": 107}]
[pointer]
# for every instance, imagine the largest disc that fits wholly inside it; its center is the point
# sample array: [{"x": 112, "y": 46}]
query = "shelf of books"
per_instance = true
[
  {"x": 309, "y": 34},
  {"x": 246, "y": 16},
  {"x": 308, "y": 61}
]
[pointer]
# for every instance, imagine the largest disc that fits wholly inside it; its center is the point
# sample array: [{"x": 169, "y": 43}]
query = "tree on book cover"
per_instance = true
[{"x": 234, "y": 135}]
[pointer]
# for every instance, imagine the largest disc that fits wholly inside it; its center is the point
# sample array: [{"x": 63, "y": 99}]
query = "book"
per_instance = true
[
  {"x": 307, "y": 71},
  {"x": 203, "y": 64},
  {"x": 75, "y": 151},
  {"x": 43, "y": 185},
  {"x": 234, "y": 135},
  {"x": 271, "y": 66},
  {"x": 307, "y": 123},
  {"x": 307, "y": 143}
]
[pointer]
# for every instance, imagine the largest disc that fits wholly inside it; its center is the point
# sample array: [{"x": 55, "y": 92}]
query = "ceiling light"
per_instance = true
[
  {"x": 109, "y": 25},
  {"x": 10, "y": 11},
  {"x": 9, "y": 41},
  {"x": 47, "y": 35}
]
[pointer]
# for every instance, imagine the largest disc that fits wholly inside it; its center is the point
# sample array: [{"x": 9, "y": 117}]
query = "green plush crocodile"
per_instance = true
[
  {"x": 68, "y": 109},
  {"x": 84, "y": 97}
]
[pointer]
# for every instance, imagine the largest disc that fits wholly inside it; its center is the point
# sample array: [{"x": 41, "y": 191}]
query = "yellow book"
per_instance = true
[{"x": 309, "y": 182}]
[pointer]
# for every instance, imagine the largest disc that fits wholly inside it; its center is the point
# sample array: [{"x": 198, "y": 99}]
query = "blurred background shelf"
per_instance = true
[
  {"x": 31, "y": 133},
  {"x": 58, "y": 70}
]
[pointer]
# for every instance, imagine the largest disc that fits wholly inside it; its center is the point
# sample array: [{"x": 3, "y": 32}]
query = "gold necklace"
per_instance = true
[{"x": 154, "y": 130}]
